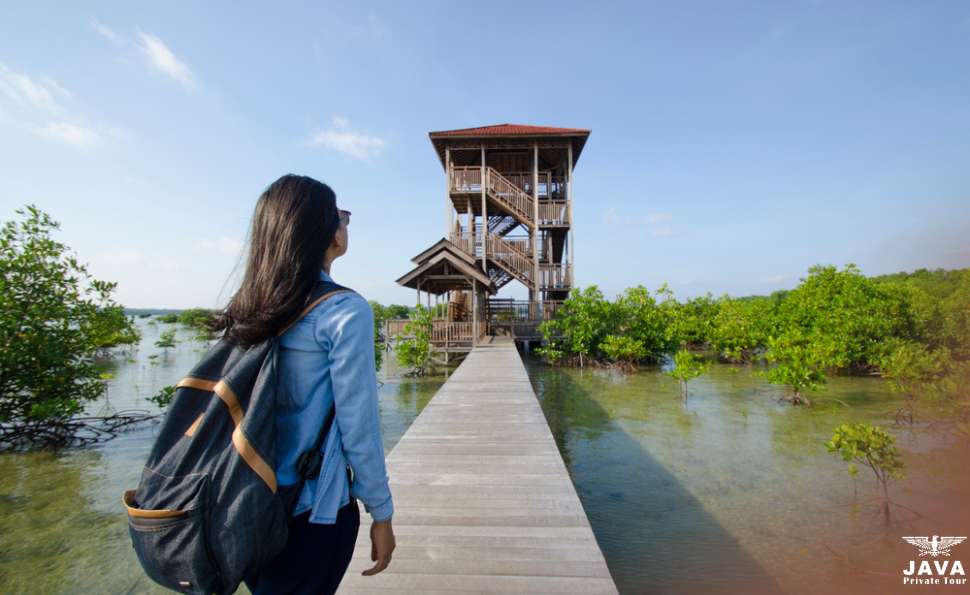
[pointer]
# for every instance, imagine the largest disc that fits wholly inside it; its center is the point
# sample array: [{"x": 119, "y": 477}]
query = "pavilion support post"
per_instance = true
[
  {"x": 534, "y": 292},
  {"x": 474, "y": 312},
  {"x": 569, "y": 210},
  {"x": 471, "y": 226},
  {"x": 449, "y": 210},
  {"x": 484, "y": 214}
]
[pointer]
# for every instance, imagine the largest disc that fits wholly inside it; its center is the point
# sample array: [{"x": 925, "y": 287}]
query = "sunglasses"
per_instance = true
[{"x": 344, "y": 217}]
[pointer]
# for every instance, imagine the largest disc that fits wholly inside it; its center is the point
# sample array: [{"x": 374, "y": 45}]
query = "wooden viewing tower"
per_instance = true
[{"x": 508, "y": 217}]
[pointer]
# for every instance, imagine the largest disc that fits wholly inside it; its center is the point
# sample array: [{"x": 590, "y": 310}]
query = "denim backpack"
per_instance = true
[{"x": 207, "y": 512}]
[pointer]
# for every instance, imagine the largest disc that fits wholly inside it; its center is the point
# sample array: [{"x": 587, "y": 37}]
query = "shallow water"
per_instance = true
[
  {"x": 62, "y": 525},
  {"x": 736, "y": 492}
]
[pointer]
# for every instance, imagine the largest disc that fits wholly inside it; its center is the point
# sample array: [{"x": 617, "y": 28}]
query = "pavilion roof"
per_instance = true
[
  {"x": 443, "y": 268},
  {"x": 577, "y": 136}
]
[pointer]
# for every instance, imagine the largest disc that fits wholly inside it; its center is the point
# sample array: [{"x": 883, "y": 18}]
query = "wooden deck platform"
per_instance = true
[{"x": 483, "y": 501}]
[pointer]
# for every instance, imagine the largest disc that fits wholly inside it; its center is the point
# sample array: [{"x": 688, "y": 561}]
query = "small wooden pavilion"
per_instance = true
[{"x": 508, "y": 217}]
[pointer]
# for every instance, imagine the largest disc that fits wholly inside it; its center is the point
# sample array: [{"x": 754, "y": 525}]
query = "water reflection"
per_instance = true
[
  {"x": 737, "y": 492},
  {"x": 62, "y": 528},
  {"x": 642, "y": 515}
]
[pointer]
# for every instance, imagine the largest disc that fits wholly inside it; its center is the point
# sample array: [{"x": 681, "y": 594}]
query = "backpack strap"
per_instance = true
[
  {"x": 309, "y": 463},
  {"x": 327, "y": 290}
]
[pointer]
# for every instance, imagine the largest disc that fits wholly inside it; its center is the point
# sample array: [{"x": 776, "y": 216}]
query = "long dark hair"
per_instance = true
[{"x": 293, "y": 224}]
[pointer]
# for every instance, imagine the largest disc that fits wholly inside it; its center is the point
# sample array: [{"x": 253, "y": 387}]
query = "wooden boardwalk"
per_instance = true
[{"x": 483, "y": 501}]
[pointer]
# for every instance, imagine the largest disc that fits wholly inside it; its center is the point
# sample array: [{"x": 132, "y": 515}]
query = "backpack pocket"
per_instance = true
[{"x": 171, "y": 543}]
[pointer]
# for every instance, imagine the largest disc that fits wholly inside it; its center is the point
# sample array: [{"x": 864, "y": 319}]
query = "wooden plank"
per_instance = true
[
  {"x": 422, "y": 549},
  {"x": 521, "y": 567},
  {"x": 483, "y": 501},
  {"x": 479, "y": 583}
]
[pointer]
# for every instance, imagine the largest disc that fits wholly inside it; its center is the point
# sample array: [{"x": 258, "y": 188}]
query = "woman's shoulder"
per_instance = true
[
  {"x": 340, "y": 310},
  {"x": 344, "y": 300}
]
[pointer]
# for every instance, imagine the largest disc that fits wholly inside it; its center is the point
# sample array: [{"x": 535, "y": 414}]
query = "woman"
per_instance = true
[{"x": 326, "y": 360}]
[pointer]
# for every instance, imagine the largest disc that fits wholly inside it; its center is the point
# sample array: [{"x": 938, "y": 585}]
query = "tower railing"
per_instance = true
[
  {"x": 555, "y": 275},
  {"x": 509, "y": 195},
  {"x": 510, "y": 257},
  {"x": 511, "y": 198},
  {"x": 465, "y": 179},
  {"x": 553, "y": 212}
]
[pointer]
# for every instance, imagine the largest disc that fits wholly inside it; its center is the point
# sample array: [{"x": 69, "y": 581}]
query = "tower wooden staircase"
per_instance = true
[{"x": 507, "y": 259}]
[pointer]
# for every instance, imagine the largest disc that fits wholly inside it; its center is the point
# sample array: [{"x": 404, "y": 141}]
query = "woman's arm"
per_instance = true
[{"x": 347, "y": 330}]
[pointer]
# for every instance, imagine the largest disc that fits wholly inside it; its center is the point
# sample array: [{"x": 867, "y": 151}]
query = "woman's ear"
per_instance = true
[{"x": 339, "y": 240}]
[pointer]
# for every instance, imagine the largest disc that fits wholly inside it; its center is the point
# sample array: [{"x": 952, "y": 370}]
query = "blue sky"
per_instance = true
[{"x": 733, "y": 144}]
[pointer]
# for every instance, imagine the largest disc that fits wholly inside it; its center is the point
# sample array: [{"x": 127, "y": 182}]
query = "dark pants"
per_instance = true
[{"x": 315, "y": 557}]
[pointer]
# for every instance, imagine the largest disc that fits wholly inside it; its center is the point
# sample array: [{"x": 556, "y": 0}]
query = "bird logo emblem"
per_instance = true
[{"x": 934, "y": 546}]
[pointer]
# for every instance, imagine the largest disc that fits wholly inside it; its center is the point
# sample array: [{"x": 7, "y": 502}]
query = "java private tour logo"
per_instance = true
[{"x": 938, "y": 571}]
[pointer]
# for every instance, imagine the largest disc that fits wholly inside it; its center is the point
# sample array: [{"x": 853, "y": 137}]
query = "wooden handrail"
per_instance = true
[
  {"x": 555, "y": 275},
  {"x": 442, "y": 331},
  {"x": 463, "y": 241},
  {"x": 509, "y": 195},
  {"x": 507, "y": 310},
  {"x": 553, "y": 212},
  {"x": 523, "y": 244},
  {"x": 509, "y": 191},
  {"x": 550, "y": 186},
  {"x": 465, "y": 179},
  {"x": 524, "y": 181},
  {"x": 505, "y": 253}
]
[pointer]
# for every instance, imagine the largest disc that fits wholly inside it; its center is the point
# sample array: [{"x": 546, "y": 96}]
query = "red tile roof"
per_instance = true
[
  {"x": 511, "y": 130},
  {"x": 577, "y": 136}
]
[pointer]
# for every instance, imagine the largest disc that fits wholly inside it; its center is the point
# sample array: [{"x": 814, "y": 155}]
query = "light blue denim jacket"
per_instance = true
[{"x": 328, "y": 357}]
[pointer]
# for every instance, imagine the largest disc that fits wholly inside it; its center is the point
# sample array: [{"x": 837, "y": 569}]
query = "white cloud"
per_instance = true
[
  {"x": 71, "y": 134},
  {"x": 662, "y": 232},
  {"x": 164, "y": 60},
  {"x": 107, "y": 32},
  {"x": 28, "y": 93},
  {"x": 230, "y": 246},
  {"x": 655, "y": 218},
  {"x": 36, "y": 107},
  {"x": 225, "y": 245},
  {"x": 350, "y": 142},
  {"x": 56, "y": 87}
]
